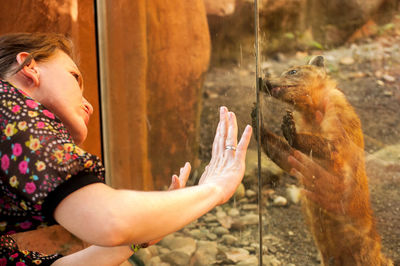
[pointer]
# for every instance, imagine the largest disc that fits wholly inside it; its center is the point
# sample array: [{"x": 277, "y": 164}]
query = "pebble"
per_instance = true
[
  {"x": 249, "y": 207},
  {"x": 250, "y": 193},
  {"x": 380, "y": 83},
  {"x": 229, "y": 240},
  {"x": 293, "y": 194},
  {"x": 347, "y": 61},
  {"x": 219, "y": 231},
  {"x": 388, "y": 78},
  {"x": 280, "y": 201},
  {"x": 240, "y": 192},
  {"x": 233, "y": 212}
]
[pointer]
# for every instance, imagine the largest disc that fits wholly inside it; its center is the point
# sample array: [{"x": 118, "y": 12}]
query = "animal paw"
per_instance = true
[{"x": 288, "y": 127}]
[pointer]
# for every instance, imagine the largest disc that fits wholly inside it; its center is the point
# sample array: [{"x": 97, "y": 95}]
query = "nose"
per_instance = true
[{"x": 87, "y": 106}]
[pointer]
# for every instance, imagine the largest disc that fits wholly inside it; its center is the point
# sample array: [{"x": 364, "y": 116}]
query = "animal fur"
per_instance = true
[{"x": 325, "y": 126}]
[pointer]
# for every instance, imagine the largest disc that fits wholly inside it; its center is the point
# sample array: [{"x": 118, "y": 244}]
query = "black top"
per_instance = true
[{"x": 40, "y": 166}]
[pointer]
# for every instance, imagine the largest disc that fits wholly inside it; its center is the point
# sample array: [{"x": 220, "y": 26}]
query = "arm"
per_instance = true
[
  {"x": 96, "y": 255},
  {"x": 105, "y": 216}
]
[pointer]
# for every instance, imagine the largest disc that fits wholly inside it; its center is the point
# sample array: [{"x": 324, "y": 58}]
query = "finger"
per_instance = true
[
  {"x": 231, "y": 139},
  {"x": 299, "y": 176},
  {"x": 174, "y": 183},
  {"x": 223, "y": 129},
  {"x": 216, "y": 147},
  {"x": 184, "y": 175},
  {"x": 204, "y": 175},
  {"x": 244, "y": 143},
  {"x": 310, "y": 168},
  {"x": 298, "y": 165}
]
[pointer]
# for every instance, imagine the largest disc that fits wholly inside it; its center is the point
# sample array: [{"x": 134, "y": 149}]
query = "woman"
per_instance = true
[{"x": 46, "y": 178}]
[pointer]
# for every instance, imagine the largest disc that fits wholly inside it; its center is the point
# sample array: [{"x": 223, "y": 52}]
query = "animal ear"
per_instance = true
[{"x": 317, "y": 61}]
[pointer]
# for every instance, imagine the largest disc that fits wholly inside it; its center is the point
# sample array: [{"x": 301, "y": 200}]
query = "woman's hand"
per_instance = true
[
  {"x": 323, "y": 188},
  {"x": 180, "y": 182},
  {"x": 227, "y": 165}
]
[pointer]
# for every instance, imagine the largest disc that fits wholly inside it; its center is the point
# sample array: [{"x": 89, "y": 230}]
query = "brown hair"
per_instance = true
[{"x": 40, "y": 46}]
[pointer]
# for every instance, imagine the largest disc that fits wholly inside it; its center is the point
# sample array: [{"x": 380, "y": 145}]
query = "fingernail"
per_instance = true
[{"x": 222, "y": 109}]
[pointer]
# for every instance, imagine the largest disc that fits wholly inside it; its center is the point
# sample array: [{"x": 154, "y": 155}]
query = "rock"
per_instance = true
[
  {"x": 237, "y": 224},
  {"x": 229, "y": 240},
  {"x": 240, "y": 192},
  {"x": 145, "y": 254},
  {"x": 209, "y": 218},
  {"x": 269, "y": 260},
  {"x": 347, "y": 61},
  {"x": 220, "y": 214},
  {"x": 211, "y": 236},
  {"x": 156, "y": 261},
  {"x": 233, "y": 212},
  {"x": 388, "y": 93},
  {"x": 251, "y": 261},
  {"x": 249, "y": 207},
  {"x": 249, "y": 219},
  {"x": 162, "y": 250},
  {"x": 185, "y": 245},
  {"x": 250, "y": 193},
  {"x": 390, "y": 155},
  {"x": 205, "y": 254},
  {"x": 280, "y": 201},
  {"x": 388, "y": 78},
  {"x": 196, "y": 233},
  {"x": 293, "y": 194},
  {"x": 237, "y": 254},
  {"x": 219, "y": 231},
  {"x": 226, "y": 221},
  {"x": 269, "y": 193},
  {"x": 380, "y": 83},
  {"x": 266, "y": 164},
  {"x": 176, "y": 257}
]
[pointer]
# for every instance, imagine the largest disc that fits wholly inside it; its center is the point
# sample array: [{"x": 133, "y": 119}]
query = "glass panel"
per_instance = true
[
  {"x": 347, "y": 127},
  {"x": 227, "y": 235},
  {"x": 164, "y": 80}
]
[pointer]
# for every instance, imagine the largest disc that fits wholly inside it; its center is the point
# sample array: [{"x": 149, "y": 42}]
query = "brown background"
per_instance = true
[{"x": 157, "y": 53}]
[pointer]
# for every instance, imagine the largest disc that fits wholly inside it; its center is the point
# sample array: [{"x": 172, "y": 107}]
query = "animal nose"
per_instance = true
[{"x": 266, "y": 86}]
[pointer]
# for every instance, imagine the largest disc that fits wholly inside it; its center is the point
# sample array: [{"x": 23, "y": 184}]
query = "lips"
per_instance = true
[{"x": 86, "y": 116}]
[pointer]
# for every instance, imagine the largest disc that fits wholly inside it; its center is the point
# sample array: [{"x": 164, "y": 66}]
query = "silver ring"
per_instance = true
[{"x": 230, "y": 147}]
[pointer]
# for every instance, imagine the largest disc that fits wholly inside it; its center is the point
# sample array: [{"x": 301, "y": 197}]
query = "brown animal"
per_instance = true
[{"x": 325, "y": 127}]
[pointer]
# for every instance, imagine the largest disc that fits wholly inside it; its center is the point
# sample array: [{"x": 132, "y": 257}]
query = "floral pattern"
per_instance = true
[{"x": 37, "y": 154}]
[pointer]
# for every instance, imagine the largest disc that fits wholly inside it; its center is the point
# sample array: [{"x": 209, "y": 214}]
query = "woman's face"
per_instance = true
[{"x": 60, "y": 90}]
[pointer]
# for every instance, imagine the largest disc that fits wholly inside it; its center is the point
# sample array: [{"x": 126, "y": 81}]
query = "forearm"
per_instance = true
[
  {"x": 95, "y": 255},
  {"x": 109, "y": 217},
  {"x": 156, "y": 214}
]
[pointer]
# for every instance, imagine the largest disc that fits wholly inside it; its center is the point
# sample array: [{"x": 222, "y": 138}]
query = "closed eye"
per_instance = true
[{"x": 78, "y": 78}]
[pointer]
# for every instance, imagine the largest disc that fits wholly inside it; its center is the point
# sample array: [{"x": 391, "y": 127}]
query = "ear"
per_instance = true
[
  {"x": 317, "y": 61},
  {"x": 30, "y": 71}
]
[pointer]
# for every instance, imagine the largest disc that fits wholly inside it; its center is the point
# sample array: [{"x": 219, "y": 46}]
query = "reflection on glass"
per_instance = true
[
  {"x": 346, "y": 128},
  {"x": 325, "y": 127}
]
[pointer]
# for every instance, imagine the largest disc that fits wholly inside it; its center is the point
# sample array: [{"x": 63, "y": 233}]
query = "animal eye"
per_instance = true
[{"x": 292, "y": 72}]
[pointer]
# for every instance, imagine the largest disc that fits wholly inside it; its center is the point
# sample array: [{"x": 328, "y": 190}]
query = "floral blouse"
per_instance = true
[{"x": 40, "y": 166}]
